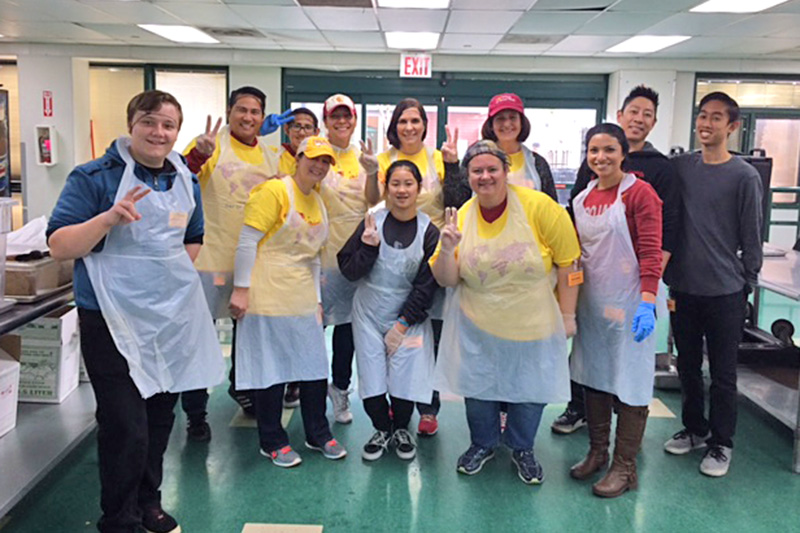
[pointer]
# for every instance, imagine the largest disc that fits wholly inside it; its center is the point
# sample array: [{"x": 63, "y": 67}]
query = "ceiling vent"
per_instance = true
[
  {"x": 234, "y": 32},
  {"x": 364, "y": 4},
  {"x": 521, "y": 38}
]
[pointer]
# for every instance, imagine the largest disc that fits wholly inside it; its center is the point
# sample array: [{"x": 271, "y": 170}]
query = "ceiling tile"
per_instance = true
[
  {"x": 585, "y": 44},
  {"x": 692, "y": 23},
  {"x": 19, "y": 11},
  {"x": 412, "y": 19},
  {"x": 52, "y": 32},
  {"x": 658, "y": 6},
  {"x": 274, "y": 17},
  {"x": 475, "y": 42},
  {"x": 261, "y": 2},
  {"x": 299, "y": 38},
  {"x": 70, "y": 11},
  {"x": 508, "y": 5},
  {"x": 343, "y": 19},
  {"x": 570, "y": 5},
  {"x": 520, "y": 49},
  {"x": 214, "y": 15},
  {"x": 761, "y": 25},
  {"x": 788, "y": 7},
  {"x": 356, "y": 39},
  {"x": 136, "y": 12},
  {"x": 480, "y": 21},
  {"x": 620, "y": 23},
  {"x": 547, "y": 22}
]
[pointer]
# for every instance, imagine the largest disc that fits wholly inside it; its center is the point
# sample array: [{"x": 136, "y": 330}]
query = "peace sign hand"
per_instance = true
[
  {"x": 368, "y": 159},
  {"x": 370, "y": 237},
  {"x": 450, "y": 236},
  {"x": 207, "y": 142},
  {"x": 124, "y": 211},
  {"x": 450, "y": 146}
]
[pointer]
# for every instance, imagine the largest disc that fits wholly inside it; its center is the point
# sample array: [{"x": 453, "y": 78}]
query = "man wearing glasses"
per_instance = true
[{"x": 304, "y": 125}]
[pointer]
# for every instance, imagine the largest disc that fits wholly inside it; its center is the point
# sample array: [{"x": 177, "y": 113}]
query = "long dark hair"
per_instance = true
[{"x": 406, "y": 103}]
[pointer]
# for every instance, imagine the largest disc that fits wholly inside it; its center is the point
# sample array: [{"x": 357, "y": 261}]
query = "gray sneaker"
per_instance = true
[
  {"x": 404, "y": 445},
  {"x": 684, "y": 442},
  {"x": 341, "y": 404},
  {"x": 331, "y": 450},
  {"x": 284, "y": 457},
  {"x": 716, "y": 461}
]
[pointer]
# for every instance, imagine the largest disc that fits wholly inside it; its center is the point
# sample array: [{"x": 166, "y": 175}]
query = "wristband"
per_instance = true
[{"x": 403, "y": 322}]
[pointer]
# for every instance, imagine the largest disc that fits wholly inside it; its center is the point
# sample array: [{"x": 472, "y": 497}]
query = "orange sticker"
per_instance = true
[
  {"x": 178, "y": 219},
  {"x": 671, "y": 305},
  {"x": 219, "y": 280},
  {"x": 614, "y": 314},
  {"x": 575, "y": 278}
]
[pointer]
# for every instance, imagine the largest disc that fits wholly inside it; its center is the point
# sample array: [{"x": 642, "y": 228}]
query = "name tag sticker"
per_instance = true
[
  {"x": 575, "y": 278},
  {"x": 671, "y": 305},
  {"x": 219, "y": 280},
  {"x": 178, "y": 219},
  {"x": 614, "y": 314}
]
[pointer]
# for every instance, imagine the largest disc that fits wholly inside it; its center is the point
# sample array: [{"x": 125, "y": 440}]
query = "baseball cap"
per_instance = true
[
  {"x": 314, "y": 147},
  {"x": 500, "y": 102},
  {"x": 338, "y": 100}
]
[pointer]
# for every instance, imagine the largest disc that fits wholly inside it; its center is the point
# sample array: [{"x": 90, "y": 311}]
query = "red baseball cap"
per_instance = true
[
  {"x": 338, "y": 100},
  {"x": 500, "y": 102}
]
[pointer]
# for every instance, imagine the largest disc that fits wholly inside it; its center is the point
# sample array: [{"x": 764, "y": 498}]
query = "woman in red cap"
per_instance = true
[{"x": 508, "y": 126}]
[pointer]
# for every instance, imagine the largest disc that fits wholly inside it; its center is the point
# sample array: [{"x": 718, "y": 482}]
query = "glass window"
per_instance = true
[
  {"x": 379, "y": 116},
  {"x": 110, "y": 90},
  {"x": 781, "y": 140},
  {"x": 10, "y": 82},
  {"x": 754, "y": 93}
]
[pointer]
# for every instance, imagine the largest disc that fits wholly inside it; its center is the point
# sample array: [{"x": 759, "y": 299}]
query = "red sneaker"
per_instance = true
[{"x": 428, "y": 426}]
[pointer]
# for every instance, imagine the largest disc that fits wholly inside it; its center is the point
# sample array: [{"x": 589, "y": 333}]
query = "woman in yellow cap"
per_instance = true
[
  {"x": 508, "y": 126},
  {"x": 505, "y": 334},
  {"x": 277, "y": 302}
]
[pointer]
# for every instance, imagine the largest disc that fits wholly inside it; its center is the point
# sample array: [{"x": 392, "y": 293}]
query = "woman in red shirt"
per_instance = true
[{"x": 618, "y": 218}]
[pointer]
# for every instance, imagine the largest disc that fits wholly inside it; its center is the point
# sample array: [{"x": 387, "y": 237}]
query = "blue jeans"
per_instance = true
[{"x": 483, "y": 418}]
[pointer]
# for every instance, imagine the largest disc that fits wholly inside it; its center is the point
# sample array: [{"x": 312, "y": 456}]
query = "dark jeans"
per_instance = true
[
  {"x": 377, "y": 407},
  {"x": 342, "y": 361},
  {"x": 483, "y": 418},
  {"x": 132, "y": 433},
  {"x": 720, "y": 319},
  {"x": 194, "y": 403},
  {"x": 269, "y": 408},
  {"x": 433, "y": 407},
  {"x": 576, "y": 400}
]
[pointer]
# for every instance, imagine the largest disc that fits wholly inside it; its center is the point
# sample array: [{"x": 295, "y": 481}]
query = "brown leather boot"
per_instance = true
[
  {"x": 621, "y": 477},
  {"x": 598, "y": 418}
]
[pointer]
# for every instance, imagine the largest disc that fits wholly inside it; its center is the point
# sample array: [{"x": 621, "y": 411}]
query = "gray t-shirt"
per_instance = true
[{"x": 721, "y": 216}]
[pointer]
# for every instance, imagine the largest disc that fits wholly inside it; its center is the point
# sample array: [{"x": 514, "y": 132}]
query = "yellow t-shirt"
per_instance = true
[
  {"x": 248, "y": 154},
  {"x": 517, "y": 161},
  {"x": 346, "y": 162},
  {"x": 268, "y": 207},
  {"x": 420, "y": 159},
  {"x": 558, "y": 242},
  {"x": 287, "y": 165}
]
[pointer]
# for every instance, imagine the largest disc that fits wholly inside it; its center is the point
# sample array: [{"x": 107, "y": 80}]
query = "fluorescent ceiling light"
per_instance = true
[
  {"x": 412, "y": 40},
  {"x": 415, "y": 4},
  {"x": 179, "y": 34},
  {"x": 735, "y": 6},
  {"x": 646, "y": 44}
]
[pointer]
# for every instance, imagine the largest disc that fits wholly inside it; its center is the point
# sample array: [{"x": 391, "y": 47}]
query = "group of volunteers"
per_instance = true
[{"x": 469, "y": 278}]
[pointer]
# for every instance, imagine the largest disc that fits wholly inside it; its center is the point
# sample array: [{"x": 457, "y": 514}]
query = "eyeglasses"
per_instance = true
[{"x": 307, "y": 128}]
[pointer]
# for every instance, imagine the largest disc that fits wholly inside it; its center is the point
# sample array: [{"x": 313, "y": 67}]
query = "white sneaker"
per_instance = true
[
  {"x": 684, "y": 442},
  {"x": 716, "y": 461},
  {"x": 341, "y": 404}
]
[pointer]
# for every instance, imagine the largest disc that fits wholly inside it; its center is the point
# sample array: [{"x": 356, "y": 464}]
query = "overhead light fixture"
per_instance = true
[
  {"x": 735, "y": 6},
  {"x": 647, "y": 44},
  {"x": 414, "y": 4},
  {"x": 412, "y": 40},
  {"x": 180, "y": 34}
]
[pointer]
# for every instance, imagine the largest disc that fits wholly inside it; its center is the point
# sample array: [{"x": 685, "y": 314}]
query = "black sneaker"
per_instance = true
[
  {"x": 156, "y": 520},
  {"x": 291, "y": 398},
  {"x": 528, "y": 468},
  {"x": 473, "y": 459},
  {"x": 376, "y": 446},
  {"x": 244, "y": 399},
  {"x": 404, "y": 445},
  {"x": 568, "y": 422},
  {"x": 198, "y": 431}
]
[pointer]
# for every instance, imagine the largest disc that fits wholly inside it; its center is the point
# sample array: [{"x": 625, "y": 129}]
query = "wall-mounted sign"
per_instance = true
[
  {"x": 416, "y": 65},
  {"x": 47, "y": 103}
]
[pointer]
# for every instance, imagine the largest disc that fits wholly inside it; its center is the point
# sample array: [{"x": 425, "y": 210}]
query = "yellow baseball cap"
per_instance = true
[{"x": 314, "y": 147}]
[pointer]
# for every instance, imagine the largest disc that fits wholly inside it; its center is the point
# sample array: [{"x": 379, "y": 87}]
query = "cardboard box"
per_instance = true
[{"x": 9, "y": 392}]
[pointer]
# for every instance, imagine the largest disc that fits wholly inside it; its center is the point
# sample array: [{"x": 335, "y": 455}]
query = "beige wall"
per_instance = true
[
  {"x": 9, "y": 82},
  {"x": 110, "y": 90}
]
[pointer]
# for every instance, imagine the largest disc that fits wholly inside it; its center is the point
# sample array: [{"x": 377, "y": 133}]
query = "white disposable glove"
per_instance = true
[
  {"x": 570, "y": 325},
  {"x": 394, "y": 338}
]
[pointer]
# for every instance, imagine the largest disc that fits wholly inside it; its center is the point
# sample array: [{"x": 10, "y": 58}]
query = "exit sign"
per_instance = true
[{"x": 416, "y": 65}]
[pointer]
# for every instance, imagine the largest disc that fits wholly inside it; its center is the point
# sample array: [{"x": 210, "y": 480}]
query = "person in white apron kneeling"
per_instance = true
[
  {"x": 276, "y": 298},
  {"x": 388, "y": 254},
  {"x": 133, "y": 221},
  {"x": 618, "y": 219},
  {"x": 505, "y": 334}
]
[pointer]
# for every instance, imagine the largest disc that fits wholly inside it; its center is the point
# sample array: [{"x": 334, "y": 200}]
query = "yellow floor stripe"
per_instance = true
[
  {"x": 659, "y": 410},
  {"x": 280, "y": 528},
  {"x": 241, "y": 420}
]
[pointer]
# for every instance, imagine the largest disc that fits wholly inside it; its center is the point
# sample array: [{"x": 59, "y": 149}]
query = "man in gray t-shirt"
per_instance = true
[{"x": 709, "y": 281}]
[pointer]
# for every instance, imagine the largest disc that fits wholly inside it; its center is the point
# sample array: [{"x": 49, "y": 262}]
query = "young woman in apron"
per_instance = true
[
  {"x": 132, "y": 221},
  {"x": 618, "y": 219},
  {"x": 277, "y": 302},
  {"x": 388, "y": 255}
]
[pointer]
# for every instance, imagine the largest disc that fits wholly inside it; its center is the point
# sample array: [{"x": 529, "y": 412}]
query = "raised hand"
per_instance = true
[
  {"x": 370, "y": 237},
  {"x": 450, "y": 236},
  {"x": 124, "y": 211},
  {"x": 206, "y": 142},
  {"x": 450, "y": 146},
  {"x": 368, "y": 159},
  {"x": 274, "y": 121}
]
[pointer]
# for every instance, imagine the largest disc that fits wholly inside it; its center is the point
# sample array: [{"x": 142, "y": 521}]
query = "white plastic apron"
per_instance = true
[
  {"x": 527, "y": 176},
  {"x": 224, "y": 197},
  {"x": 379, "y": 299},
  {"x": 346, "y": 205},
  {"x": 149, "y": 291},
  {"x": 503, "y": 337},
  {"x": 280, "y": 340},
  {"x": 605, "y": 356}
]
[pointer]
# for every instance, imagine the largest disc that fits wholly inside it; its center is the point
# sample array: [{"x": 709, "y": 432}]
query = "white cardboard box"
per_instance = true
[{"x": 9, "y": 392}]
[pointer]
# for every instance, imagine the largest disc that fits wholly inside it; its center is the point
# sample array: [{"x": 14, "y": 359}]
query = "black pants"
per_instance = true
[
  {"x": 576, "y": 399},
  {"x": 433, "y": 407},
  {"x": 194, "y": 403},
  {"x": 720, "y": 319},
  {"x": 377, "y": 407},
  {"x": 269, "y": 408},
  {"x": 342, "y": 361},
  {"x": 132, "y": 433}
]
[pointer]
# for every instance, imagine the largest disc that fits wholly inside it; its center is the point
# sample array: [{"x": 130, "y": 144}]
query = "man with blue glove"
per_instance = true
[
  {"x": 298, "y": 124},
  {"x": 709, "y": 281},
  {"x": 274, "y": 121}
]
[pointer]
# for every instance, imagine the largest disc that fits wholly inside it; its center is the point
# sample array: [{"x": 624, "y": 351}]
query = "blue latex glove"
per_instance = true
[
  {"x": 644, "y": 321},
  {"x": 275, "y": 121}
]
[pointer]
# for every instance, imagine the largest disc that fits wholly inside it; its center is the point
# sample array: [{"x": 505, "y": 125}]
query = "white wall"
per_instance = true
[{"x": 268, "y": 79}]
